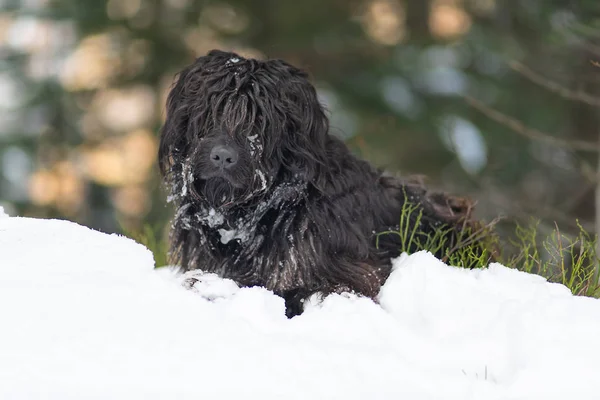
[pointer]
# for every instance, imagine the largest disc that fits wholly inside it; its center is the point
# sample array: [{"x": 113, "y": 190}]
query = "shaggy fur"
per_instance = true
[{"x": 297, "y": 213}]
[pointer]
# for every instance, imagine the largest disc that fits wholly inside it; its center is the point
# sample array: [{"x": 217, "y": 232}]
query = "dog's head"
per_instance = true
[{"x": 237, "y": 126}]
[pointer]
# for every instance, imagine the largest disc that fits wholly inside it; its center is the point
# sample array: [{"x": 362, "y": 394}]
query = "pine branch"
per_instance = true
[{"x": 554, "y": 87}]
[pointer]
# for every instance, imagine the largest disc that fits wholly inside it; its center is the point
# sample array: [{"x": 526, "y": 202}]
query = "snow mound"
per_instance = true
[
  {"x": 3, "y": 214},
  {"x": 85, "y": 315}
]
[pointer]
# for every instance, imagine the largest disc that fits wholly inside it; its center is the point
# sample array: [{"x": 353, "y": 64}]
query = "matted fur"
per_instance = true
[{"x": 298, "y": 214}]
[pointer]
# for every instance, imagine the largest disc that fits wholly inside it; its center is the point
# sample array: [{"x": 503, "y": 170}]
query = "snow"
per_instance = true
[
  {"x": 85, "y": 315},
  {"x": 213, "y": 218},
  {"x": 263, "y": 180},
  {"x": 228, "y": 235},
  {"x": 255, "y": 145},
  {"x": 187, "y": 177},
  {"x": 209, "y": 286},
  {"x": 3, "y": 214}
]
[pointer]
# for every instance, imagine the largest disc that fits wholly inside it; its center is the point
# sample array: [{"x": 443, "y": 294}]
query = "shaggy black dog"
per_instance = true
[{"x": 267, "y": 197}]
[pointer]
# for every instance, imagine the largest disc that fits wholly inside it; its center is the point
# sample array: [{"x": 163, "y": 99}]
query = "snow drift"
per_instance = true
[{"x": 85, "y": 315}]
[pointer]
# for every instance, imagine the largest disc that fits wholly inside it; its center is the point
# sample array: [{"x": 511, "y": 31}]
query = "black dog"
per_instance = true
[{"x": 267, "y": 197}]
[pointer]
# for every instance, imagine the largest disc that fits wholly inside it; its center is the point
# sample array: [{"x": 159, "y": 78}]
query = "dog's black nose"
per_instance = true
[{"x": 223, "y": 156}]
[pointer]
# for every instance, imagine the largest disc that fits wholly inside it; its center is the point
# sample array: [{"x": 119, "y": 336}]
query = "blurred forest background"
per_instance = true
[{"x": 497, "y": 100}]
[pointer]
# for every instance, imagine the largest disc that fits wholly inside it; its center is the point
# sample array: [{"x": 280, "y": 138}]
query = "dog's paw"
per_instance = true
[{"x": 209, "y": 286}]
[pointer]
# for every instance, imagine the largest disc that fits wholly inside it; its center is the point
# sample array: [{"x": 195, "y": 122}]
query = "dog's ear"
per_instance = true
[
  {"x": 173, "y": 145},
  {"x": 304, "y": 147}
]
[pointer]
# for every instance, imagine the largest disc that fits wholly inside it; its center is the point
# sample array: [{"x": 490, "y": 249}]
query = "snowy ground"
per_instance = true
[{"x": 84, "y": 316}]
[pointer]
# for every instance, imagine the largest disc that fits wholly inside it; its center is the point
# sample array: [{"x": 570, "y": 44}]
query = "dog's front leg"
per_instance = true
[{"x": 294, "y": 301}]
